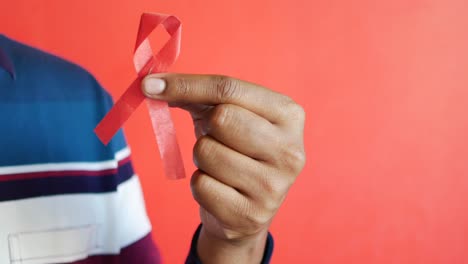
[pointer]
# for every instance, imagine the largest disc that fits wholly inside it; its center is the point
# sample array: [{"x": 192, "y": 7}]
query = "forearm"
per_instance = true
[{"x": 212, "y": 250}]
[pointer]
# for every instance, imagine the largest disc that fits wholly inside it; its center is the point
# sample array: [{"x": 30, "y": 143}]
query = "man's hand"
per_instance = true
[{"x": 249, "y": 151}]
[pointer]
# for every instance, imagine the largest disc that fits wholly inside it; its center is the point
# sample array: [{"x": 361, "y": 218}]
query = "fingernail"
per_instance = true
[{"x": 154, "y": 85}]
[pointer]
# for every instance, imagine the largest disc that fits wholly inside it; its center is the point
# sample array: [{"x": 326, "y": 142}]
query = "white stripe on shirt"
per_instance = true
[
  {"x": 105, "y": 222},
  {"x": 68, "y": 166}
]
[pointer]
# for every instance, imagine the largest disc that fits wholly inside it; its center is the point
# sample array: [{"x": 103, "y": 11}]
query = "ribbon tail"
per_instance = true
[
  {"x": 120, "y": 112},
  {"x": 164, "y": 131}
]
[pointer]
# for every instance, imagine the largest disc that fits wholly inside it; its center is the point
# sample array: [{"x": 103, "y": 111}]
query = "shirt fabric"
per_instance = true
[{"x": 64, "y": 196}]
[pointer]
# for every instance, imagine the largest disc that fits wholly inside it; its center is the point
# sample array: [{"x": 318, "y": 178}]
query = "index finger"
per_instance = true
[{"x": 218, "y": 89}]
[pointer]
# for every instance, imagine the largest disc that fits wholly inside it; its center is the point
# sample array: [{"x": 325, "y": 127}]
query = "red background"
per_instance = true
[{"x": 384, "y": 85}]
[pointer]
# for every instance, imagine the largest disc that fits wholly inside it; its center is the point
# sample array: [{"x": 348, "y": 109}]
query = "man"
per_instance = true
[{"x": 67, "y": 198}]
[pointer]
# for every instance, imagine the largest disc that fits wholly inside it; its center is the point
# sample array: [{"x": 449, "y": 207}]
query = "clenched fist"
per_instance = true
[{"x": 249, "y": 151}]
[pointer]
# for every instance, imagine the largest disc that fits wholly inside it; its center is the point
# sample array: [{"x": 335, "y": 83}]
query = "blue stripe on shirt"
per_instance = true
[{"x": 48, "y": 113}]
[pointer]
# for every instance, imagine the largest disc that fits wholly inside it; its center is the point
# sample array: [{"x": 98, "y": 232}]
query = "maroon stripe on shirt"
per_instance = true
[
  {"x": 143, "y": 251},
  {"x": 46, "y": 174}
]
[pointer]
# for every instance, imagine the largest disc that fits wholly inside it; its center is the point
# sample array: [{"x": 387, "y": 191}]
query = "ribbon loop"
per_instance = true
[
  {"x": 168, "y": 53},
  {"x": 145, "y": 62}
]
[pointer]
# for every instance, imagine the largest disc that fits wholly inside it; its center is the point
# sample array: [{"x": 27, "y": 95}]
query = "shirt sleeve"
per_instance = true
[{"x": 192, "y": 258}]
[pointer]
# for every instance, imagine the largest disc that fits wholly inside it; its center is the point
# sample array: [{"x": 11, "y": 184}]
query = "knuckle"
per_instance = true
[
  {"x": 292, "y": 109},
  {"x": 227, "y": 88},
  {"x": 272, "y": 205},
  {"x": 203, "y": 147},
  {"x": 220, "y": 117},
  {"x": 275, "y": 189},
  {"x": 200, "y": 186},
  {"x": 297, "y": 112},
  {"x": 259, "y": 218},
  {"x": 294, "y": 159},
  {"x": 196, "y": 184}
]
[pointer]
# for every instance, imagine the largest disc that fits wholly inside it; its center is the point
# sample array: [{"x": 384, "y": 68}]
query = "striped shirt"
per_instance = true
[{"x": 64, "y": 196}]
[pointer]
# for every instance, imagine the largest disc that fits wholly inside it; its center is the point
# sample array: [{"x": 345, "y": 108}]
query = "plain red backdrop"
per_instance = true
[{"x": 384, "y": 85}]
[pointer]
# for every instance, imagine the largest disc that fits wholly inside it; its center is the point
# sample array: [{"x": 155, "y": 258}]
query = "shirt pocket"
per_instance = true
[{"x": 53, "y": 245}]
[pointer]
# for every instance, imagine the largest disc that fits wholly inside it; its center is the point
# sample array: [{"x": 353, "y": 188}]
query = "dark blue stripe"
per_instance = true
[{"x": 21, "y": 189}]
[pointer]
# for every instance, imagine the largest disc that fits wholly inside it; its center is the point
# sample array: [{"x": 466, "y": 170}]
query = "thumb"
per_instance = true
[
  {"x": 181, "y": 88},
  {"x": 213, "y": 90}
]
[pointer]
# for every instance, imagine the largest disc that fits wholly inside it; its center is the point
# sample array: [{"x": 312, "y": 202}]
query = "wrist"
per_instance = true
[{"x": 214, "y": 250}]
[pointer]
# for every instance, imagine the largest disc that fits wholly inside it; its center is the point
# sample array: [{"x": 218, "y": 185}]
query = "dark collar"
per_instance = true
[{"x": 6, "y": 63}]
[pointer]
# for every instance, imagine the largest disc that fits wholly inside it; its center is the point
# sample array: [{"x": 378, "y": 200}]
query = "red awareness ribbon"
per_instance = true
[{"x": 146, "y": 63}]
